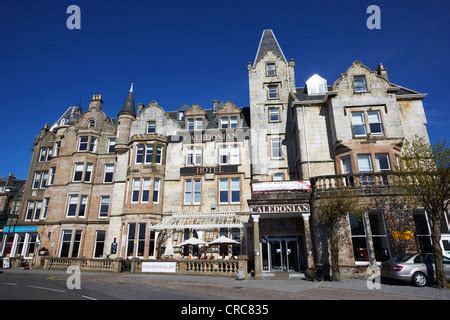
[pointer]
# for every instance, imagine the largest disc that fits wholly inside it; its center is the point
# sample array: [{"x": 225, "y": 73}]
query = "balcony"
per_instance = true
[{"x": 356, "y": 181}]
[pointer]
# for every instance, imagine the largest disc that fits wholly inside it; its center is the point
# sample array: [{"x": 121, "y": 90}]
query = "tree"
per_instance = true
[
  {"x": 426, "y": 175},
  {"x": 332, "y": 212}
]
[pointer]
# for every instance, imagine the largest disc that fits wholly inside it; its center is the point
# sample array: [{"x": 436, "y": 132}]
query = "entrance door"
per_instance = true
[{"x": 281, "y": 254}]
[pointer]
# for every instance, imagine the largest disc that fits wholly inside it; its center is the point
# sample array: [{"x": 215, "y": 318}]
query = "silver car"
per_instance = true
[{"x": 418, "y": 269}]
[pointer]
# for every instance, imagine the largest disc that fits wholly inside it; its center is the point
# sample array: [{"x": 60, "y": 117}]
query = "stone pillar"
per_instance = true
[
  {"x": 256, "y": 246},
  {"x": 308, "y": 241}
]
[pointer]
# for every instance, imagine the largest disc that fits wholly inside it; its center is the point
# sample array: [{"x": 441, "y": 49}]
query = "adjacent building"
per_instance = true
[{"x": 139, "y": 184}]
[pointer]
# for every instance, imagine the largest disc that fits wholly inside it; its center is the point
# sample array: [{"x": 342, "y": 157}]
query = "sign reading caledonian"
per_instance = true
[{"x": 282, "y": 208}]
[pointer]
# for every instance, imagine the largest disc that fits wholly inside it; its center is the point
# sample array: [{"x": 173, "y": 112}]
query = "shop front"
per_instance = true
[{"x": 20, "y": 241}]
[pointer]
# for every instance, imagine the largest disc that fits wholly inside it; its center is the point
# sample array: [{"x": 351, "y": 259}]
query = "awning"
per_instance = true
[
  {"x": 199, "y": 221},
  {"x": 20, "y": 229}
]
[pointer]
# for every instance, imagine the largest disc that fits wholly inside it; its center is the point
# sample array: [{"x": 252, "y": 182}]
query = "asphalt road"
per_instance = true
[{"x": 51, "y": 285}]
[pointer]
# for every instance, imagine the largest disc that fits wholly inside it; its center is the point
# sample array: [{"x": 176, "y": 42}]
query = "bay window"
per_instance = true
[
  {"x": 156, "y": 187},
  {"x": 365, "y": 166},
  {"x": 136, "y": 190},
  {"x": 145, "y": 190}
]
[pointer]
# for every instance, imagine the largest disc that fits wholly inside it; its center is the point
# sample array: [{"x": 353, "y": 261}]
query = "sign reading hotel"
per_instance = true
[
  {"x": 159, "y": 267},
  {"x": 189, "y": 171},
  {"x": 282, "y": 208}
]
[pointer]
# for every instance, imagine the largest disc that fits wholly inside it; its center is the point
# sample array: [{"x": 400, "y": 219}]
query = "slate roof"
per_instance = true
[
  {"x": 129, "y": 106},
  {"x": 269, "y": 43}
]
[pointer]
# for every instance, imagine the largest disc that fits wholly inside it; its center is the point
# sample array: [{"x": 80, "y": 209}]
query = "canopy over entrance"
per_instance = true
[{"x": 199, "y": 221}]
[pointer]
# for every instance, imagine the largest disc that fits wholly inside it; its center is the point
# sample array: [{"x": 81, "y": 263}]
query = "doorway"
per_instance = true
[{"x": 284, "y": 254}]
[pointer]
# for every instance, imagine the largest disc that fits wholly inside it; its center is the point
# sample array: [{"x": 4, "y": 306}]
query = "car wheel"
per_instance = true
[{"x": 419, "y": 279}]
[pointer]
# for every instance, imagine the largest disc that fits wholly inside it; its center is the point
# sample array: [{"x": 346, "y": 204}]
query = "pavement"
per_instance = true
[{"x": 18, "y": 284}]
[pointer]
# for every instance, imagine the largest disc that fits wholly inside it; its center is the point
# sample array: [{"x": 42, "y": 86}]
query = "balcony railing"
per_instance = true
[
  {"x": 356, "y": 181},
  {"x": 108, "y": 265}
]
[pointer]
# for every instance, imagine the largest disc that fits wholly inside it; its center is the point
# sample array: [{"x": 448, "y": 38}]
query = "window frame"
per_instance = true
[
  {"x": 105, "y": 172},
  {"x": 111, "y": 144},
  {"x": 363, "y": 125},
  {"x": 273, "y": 92},
  {"x": 268, "y": 69},
  {"x": 278, "y": 113},
  {"x": 151, "y": 127},
  {"x": 101, "y": 214},
  {"x": 192, "y": 191},
  {"x": 96, "y": 242},
  {"x": 280, "y": 139},
  {"x": 229, "y": 190},
  {"x": 361, "y": 76}
]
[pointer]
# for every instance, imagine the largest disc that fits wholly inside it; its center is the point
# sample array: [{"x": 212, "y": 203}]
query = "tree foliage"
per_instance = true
[{"x": 426, "y": 175}]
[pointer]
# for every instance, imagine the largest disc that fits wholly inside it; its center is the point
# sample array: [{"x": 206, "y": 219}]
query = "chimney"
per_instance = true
[
  {"x": 96, "y": 102},
  {"x": 11, "y": 179},
  {"x": 381, "y": 71},
  {"x": 215, "y": 105},
  {"x": 141, "y": 107}
]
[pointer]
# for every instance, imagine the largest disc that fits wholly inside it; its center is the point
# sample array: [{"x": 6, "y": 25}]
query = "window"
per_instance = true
[
  {"x": 37, "y": 211},
  {"x": 83, "y": 205},
  {"x": 141, "y": 240},
  {"x": 223, "y": 248},
  {"x": 29, "y": 250},
  {"x": 359, "y": 125},
  {"x": 30, "y": 210},
  {"x": 274, "y": 114},
  {"x": 77, "y": 206},
  {"x": 109, "y": 173},
  {"x": 45, "y": 212},
  {"x": 192, "y": 191},
  {"x": 379, "y": 236},
  {"x": 229, "y": 190},
  {"x": 149, "y": 154},
  {"x": 91, "y": 124},
  {"x": 57, "y": 148},
  {"x": 236, "y": 236},
  {"x": 273, "y": 92},
  {"x": 83, "y": 145},
  {"x": 151, "y": 251},
  {"x": 88, "y": 174},
  {"x": 277, "y": 152},
  {"x": 131, "y": 236},
  {"x": 145, "y": 190},
  {"x": 140, "y": 153},
  {"x": 180, "y": 116},
  {"x": 198, "y": 124},
  {"x": 359, "y": 240},
  {"x": 360, "y": 84},
  {"x": 233, "y": 122},
  {"x": 445, "y": 223},
  {"x": 191, "y": 124},
  {"x": 151, "y": 127},
  {"x": 159, "y": 152},
  {"x": 229, "y": 154},
  {"x": 156, "y": 188},
  {"x": 135, "y": 191},
  {"x": 78, "y": 174},
  {"x": 271, "y": 69},
  {"x": 347, "y": 170},
  {"x": 70, "y": 242},
  {"x": 423, "y": 232},
  {"x": 224, "y": 123},
  {"x": 383, "y": 163},
  {"x": 111, "y": 145},
  {"x": 52, "y": 175},
  {"x": 49, "y": 154},
  {"x": 365, "y": 166},
  {"x": 375, "y": 125},
  {"x": 93, "y": 144},
  {"x": 42, "y": 154},
  {"x": 36, "y": 180},
  {"x": 44, "y": 179},
  {"x": 194, "y": 156},
  {"x": 104, "y": 206},
  {"x": 278, "y": 177},
  {"x": 99, "y": 243}
]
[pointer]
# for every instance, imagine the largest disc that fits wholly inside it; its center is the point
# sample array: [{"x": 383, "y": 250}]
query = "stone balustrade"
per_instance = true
[
  {"x": 85, "y": 264},
  {"x": 356, "y": 181}
]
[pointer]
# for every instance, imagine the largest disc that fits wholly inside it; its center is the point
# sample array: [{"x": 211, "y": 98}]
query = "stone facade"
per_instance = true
[{"x": 151, "y": 171}]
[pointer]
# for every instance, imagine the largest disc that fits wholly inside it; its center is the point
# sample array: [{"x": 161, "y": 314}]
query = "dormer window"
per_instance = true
[
  {"x": 271, "y": 69},
  {"x": 198, "y": 124},
  {"x": 91, "y": 124},
  {"x": 316, "y": 86},
  {"x": 360, "y": 84},
  {"x": 191, "y": 125},
  {"x": 195, "y": 124},
  {"x": 273, "y": 92},
  {"x": 151, "y": 127},
  {"x": 229, "y": 122},
  {"x": 180, "y": 116}
]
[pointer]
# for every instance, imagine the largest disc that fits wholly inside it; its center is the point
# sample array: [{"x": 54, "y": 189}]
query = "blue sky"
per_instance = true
[{"x": 197, "y": 51}]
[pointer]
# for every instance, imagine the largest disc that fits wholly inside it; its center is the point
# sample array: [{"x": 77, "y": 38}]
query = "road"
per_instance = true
[{"x": 51, "y": 285}]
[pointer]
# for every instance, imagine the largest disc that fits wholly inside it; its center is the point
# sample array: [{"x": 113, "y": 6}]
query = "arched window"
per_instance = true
[{"x": 91, "y": 123}]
